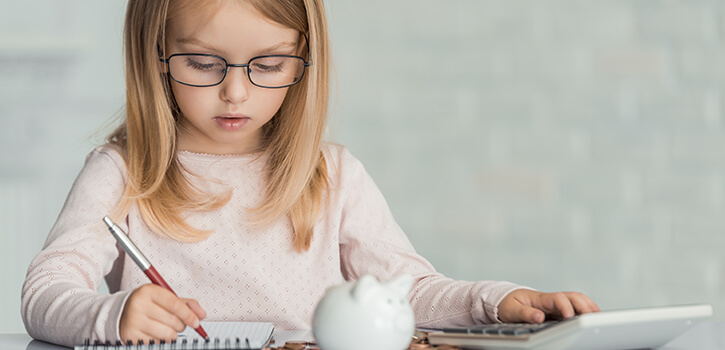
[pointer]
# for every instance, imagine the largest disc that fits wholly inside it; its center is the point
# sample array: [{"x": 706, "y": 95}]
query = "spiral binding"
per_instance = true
[{"x": 196, "y": 344}]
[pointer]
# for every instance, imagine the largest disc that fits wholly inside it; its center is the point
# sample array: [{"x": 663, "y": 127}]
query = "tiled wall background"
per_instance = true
[{"x": 565, "y": 145}]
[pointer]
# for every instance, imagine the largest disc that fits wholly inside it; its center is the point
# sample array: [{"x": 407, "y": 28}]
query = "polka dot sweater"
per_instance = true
[{"x": 240, "y": 272}]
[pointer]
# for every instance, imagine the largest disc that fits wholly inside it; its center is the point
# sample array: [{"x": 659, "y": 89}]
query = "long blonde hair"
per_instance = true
[{"x": 296, "y": 170}]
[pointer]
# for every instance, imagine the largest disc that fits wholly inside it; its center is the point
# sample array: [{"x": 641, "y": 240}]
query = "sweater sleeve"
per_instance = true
[
  {"x": 371, "y": 242},
  {"x": 60, "y": 303}
]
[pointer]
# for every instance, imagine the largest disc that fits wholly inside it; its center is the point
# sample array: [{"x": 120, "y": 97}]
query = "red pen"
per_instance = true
[{"x": 142, "y": 262}]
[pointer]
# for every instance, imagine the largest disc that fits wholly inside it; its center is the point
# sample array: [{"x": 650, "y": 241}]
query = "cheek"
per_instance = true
[
  {"x": 273, "y": 100},
  {"x": 189, "y": 99}
]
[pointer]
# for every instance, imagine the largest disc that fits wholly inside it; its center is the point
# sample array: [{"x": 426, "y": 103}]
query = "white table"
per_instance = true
[{"x": 702, "y": 336}]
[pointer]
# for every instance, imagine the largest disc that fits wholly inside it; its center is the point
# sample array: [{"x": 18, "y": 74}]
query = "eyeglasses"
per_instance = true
[{"x": 203, "y": 70}]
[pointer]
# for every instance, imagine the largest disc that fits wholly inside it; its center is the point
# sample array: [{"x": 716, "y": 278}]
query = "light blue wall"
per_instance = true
[{"x": 566, "y": 145}]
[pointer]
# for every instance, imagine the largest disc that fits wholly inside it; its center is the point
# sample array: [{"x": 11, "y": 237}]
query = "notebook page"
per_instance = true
[{"x": 258, "y": 333}]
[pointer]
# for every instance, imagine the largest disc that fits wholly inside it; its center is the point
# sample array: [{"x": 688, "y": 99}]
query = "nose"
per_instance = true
[{"x": 235, "y": 87}]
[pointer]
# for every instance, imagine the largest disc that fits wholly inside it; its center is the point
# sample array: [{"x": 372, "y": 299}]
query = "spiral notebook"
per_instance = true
[{"x": 222, "y": 335}]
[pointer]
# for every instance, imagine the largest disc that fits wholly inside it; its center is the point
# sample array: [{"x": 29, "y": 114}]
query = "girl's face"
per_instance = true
[{"x": 227, "y": 118}]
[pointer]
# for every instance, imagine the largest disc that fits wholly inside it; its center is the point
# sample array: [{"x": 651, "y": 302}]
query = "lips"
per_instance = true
[{"x": 231, "y": 122}]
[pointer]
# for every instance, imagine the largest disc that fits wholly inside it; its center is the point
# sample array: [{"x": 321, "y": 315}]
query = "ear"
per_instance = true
[
  {"x": 401, "y": 283},
  {"x": 363, "y": 287}
]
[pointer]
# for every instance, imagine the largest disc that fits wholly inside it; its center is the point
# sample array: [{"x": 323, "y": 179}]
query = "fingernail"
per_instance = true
[{"x": 195, "y": 324}]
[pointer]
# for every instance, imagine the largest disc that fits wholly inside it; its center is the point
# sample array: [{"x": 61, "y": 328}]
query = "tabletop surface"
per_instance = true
[{"x": 702, "y": 336}]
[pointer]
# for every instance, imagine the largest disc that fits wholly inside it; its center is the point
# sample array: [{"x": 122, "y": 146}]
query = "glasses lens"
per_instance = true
[
  {"x": 198, "y": 70},
  {"x": 276, "y": 71}
]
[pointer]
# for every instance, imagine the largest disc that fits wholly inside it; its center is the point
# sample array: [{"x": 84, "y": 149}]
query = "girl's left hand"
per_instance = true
[{"x": 529, "y": 306}]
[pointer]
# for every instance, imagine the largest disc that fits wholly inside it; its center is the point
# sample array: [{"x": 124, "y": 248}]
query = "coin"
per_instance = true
[
  {"x": 419, "y": 335},
  {"x": 295, "y": 345}
]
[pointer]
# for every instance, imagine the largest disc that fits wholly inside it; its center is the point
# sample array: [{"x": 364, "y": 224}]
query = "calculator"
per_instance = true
[{"x": 613, "y": 329}]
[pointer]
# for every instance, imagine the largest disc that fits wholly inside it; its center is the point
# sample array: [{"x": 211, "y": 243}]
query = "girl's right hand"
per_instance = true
[{"x": 154, "y": 312}]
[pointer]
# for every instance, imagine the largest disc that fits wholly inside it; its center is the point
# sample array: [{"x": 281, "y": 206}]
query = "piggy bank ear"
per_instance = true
[
  {"x": 401, "y": 284},
  {"x": 363, "y": 287}
]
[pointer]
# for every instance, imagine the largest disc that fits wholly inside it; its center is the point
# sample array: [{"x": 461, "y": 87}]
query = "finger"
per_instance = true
[
  {"x": 594, "y": 305},
  {"x": 588, "y": 305},
  {"x": 161, "y": 315},
  {"x": 580, "y": 302},
  {"x": 524, "y": 313},
  {"x": 195, "y": 307},
  {"x": 178, "y": 308},
  {"x": 563, "y": 305},
  {"x": 150, "y": 330},
  {"x": 154, "y": 330}
]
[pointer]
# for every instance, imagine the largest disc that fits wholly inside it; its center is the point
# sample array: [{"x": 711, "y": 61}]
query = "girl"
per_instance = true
[{"x": 220, "y": 175}]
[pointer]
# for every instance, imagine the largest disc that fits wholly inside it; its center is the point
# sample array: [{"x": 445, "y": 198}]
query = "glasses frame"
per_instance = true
[{"x": 228, "y": 65}]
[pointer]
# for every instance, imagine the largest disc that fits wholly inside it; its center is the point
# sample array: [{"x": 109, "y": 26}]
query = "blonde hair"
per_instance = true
[{"x": 296, "y": 169}]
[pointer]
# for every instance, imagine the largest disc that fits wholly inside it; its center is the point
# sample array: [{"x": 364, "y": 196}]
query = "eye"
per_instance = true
[
  {"x": 269, "y": 64},
  {"x": 204, "y": 64},
  {"x": 263, "y": 68}
]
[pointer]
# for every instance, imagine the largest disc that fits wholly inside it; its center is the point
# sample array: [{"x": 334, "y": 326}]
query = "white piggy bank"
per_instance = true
[{"x": 365, "y": 315}]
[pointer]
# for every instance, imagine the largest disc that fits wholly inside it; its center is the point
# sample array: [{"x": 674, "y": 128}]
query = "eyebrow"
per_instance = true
[{"x": 197, "y": 42}]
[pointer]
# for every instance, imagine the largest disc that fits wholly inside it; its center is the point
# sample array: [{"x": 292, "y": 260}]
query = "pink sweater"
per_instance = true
[{"x": 239, "y": 272}]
